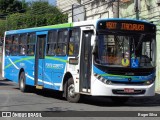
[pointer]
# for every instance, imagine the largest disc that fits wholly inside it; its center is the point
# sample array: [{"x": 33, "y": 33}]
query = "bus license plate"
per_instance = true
[{"x": 129, "y": 90}]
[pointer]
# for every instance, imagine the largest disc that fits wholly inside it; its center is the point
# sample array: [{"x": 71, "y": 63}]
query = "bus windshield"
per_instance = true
[{"x": 124, "y": 50}]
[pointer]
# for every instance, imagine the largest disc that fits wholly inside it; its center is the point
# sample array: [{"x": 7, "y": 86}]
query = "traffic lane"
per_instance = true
[
  {"x": 11, "y": 99},
  {"x": 46, "y": 100}
]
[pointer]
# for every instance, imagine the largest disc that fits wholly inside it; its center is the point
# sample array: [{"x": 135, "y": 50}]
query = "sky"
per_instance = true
[{"x": 52, "y": 2}]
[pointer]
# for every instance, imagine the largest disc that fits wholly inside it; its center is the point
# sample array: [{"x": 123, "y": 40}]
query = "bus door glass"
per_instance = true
[
  {"x": 39, "y": 57},
  {"x": 86, "y": 61}
]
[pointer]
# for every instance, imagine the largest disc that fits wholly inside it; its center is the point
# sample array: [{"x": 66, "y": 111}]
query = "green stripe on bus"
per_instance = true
[
  {"x": 37, "y": 29},
  {"x": 66, "y": 25},
  {"x": 23, "y": 59},
  {"x": 57, "y": 59},
  {"x": 110, "y": 75},
  {"x": 19, "y": 61}
]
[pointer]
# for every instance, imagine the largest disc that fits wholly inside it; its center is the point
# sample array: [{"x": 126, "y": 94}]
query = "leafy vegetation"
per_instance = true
[{"x": 16, "y": 14}]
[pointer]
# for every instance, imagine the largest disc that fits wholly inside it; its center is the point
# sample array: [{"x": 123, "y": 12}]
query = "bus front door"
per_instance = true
[
  {"x": 86, "y": 61},
  {"x": 40, "y": 59}
]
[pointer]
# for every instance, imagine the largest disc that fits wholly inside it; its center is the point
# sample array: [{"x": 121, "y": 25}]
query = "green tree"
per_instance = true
[
  {"x": 2, "y": 27},
  {"x": 46, "y": 14},
  {"x": 10, "y": 6},
  {"x": 36, "y": 14}
]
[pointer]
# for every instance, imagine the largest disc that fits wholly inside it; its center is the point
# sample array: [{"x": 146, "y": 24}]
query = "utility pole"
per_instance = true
[
  {"x": 72, "y": 12},
  {"x": 137, "y": 9},
  {"x": 116, "y": 9}
]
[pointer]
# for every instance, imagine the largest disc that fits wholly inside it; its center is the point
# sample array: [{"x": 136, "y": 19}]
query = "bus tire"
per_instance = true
[
  {"x": 22, "y": 82},
  {"x": 71, "y": 96},
  {"x": 119, "y": 100}
]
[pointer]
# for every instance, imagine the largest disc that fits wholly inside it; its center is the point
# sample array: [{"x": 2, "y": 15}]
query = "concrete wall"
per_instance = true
[
  {"x": 158, "y": 61},
  {"x": 94, "y": 9},
  {"x": 66, "y": 7},
  {"x": 0, "y": 60},
  {"x": 97, "y": 9}
]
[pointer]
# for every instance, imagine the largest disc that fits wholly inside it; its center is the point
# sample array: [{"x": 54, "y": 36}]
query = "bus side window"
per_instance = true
[
  {"x": 15, "y": 45},
  {"x": 74, "y": 42},
  {"x": 8, "y": 43},
  {"x": 62, "y": 42},
  {"x": 51, "y": 43},
  {"x": 23, "y": 44},
  {"x": 31, "y": 44}
]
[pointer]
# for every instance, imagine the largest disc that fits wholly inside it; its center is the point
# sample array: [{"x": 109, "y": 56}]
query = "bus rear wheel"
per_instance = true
[
  {"x": 22, "y": 82},
  {"x": 71, "y": 96}
]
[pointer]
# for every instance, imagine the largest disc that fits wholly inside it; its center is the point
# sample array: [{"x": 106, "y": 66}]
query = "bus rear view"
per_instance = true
[{"x": 124, "y": 58}]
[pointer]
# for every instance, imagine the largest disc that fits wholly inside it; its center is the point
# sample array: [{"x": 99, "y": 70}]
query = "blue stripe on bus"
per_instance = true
[{"x": 122, "y": 78}]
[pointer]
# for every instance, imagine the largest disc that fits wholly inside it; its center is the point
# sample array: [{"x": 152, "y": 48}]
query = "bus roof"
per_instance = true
[
  {"x": 127, "y": 19},
  {"x": 50, "y": 27},
  {"x": 68, "y": 25},
  {"x": 43, "y": 28}
]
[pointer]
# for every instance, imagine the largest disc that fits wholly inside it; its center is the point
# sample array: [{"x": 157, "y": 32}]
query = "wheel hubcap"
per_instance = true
[
  {"x": 21, "y": 82},
  {"x": 71, "y": 90}
]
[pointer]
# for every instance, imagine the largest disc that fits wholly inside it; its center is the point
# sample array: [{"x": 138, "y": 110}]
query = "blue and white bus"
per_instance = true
[{"x": 105, "y": 57}]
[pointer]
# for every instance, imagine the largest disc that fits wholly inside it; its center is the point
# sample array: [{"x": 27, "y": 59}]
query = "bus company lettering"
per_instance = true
[
  {"x": 134, "y": 27},
  {"x": 54, "y": 66},
  {"x": 22, "y": 64}
]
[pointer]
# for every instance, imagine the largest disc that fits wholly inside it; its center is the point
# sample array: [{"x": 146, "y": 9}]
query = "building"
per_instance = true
[
  {"x": 98, "y": 9},
  {"x": 66, "y": 7},
  {"x": 93, "y": 9}
]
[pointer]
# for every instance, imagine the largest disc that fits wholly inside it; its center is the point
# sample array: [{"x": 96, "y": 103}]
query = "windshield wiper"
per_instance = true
[{"x": 140, "y": 41}]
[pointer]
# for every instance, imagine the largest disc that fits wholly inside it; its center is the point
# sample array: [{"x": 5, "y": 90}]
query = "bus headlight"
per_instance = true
[
  {"x": 148, "y": 82},
  {"x": 102, "y": 79}
]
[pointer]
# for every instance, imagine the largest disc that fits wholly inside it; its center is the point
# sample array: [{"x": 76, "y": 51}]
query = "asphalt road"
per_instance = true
[{"x": 12, "y": 99}]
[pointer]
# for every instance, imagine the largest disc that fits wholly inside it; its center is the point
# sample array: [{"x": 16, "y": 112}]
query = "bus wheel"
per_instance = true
[
  {"x": 70, "y": 94},
  {"x": 119, "y": 100},
  {"x": 22, "y": 81}
]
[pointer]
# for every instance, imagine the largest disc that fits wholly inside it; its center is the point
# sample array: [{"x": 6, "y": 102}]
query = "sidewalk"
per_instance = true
[{"x": 1, "y": 78}]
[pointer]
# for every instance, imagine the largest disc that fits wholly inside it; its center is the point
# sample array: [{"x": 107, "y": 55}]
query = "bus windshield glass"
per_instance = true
[{"x": 126, "y": 50}]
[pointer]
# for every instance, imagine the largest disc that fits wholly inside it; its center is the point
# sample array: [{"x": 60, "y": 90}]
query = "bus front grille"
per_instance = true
[{"x": 128, "y": 83}]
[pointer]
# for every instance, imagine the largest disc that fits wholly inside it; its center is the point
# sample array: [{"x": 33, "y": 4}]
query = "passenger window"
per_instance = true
[
  {"x": 74, "y": 42},
  {"x": 15, "y": 45},
  {"x": 31, "y": 44},
  {"x": 8, "y": 44},
  {"x": 23, "y": 44},
  {"x": 62, "y": 42},
  {"x": 51, "y": 43}
]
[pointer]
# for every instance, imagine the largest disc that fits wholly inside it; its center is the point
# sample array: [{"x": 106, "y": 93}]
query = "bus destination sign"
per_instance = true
[{"x": 126, "y": 26}]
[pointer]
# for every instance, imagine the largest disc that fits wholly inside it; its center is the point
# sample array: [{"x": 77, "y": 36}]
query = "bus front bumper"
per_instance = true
[{"x": 100, "y": 89}]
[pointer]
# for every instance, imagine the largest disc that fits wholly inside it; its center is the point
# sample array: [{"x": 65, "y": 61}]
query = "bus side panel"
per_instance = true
[
  {"x": 29, "y": 70},
  {"x": 55, "y": 68},
  {"x": 47, "y": 77},
  {"x": 11, "y": 68},
  {"x": 14, "y": 64}
]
